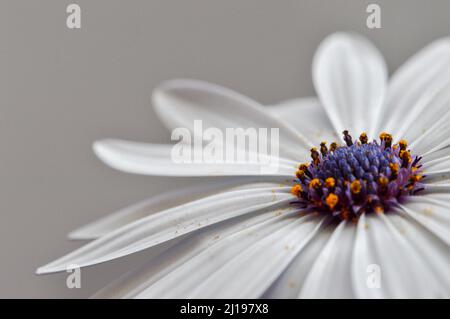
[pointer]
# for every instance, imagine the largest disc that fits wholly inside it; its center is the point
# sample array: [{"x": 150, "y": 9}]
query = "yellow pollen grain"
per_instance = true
[
  {"x": 315, "y": 183},
  {"x": 323, "y": 148},
  {"x": 356, "y": 187},
  {"x": 315, "y": 155},
  {"x": 332, "y": 200},
  {"x": 303, "y": 167},
  {"x": 333, "y": 146},
  {"x": 330, "y": 182},
  {"x": 296, "y": 190},
  {"x": 403, "y": 144},
  {"x": 300, "y": 174},
  {"x": 385, "y": 136},
  {"x": 407, "y": 156},
  {"x": 363, "y": 138},
  {"x": 345, "y": 214},
  {"x": 379, "y": 210},
  {"x": 394, "y": 167},
  {"x": 384, "y": 181}
]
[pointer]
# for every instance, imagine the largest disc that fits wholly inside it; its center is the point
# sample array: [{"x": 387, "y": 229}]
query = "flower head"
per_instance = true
[
  {"x": 309, "y": 230},
  {"x": 359, "y": 178}
]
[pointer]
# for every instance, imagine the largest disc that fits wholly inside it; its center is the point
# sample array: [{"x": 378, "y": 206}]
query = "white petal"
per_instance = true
[
  {"x": 437, "y": 175},
  {"x": 417, "y": 90},
  {"x": 172, "y": 223},
  {"x": 436, "y": 166},
  {"x": 309, "y": 118},
  {"x": 330, "y": 275},
  {"x": 437, "y": 161},
  {"x": 432, "y": 211},
  {"x": 251, "y": 272},
  {"x": 151, "y": 159},
  {"x": 180, "y": 102},
  {"x": 391, "y": 243},
  {"x": 136, "y": 281},
  {"x": 350, "y": 78},
  {"x": 435, "y": 254},
  {"x": 365, "y": 262},
  {"x": 427, "y": 257},
  {"x": 431, "y": 188},
  {"x": 435, "y": 138},
  {"x": 431, "y": 107},
  {"x": 436, "y": 157},
  {"x": 212, "y": 273},
  {"x": 290, "y": 282},
  {"x": 164, "y": 201}
]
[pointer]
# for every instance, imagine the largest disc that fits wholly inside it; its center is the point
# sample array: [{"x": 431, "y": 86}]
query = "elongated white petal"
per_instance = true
[
  {"x": 180, "y": 102},
  {"x": 418, "y": 89},
  {"x": 435, "y": 138},
  {"x": 164, "y": 201},
  {"x": 290, "y": 282},
  {"x": 436, "y": 157},
  {"x": 159, "y": 268},
  {"x": 251, "y": 272},
  {"x": 432, "y": 212},
  {"x": 432, "y": 105},
  {"x": 309, "y": 118},
  {"x": 211, "y": 274},
  {"x": 366, "y": 276},
  {"x": 350, "y": 78},
  {"x": 406, "y": 260},
  {"x": 431, "y": 188},
  {"x": 330, "y": 275},
  {"x": 437, "y": 167},
  {"x": 434, "y": 253},
  {"x": 151, "y": 159},
  {"x": 386, "y": 251},
  {"x": 172, "y": 223},
  {"x": 438, "y": 175},
  {"x": 439, "y": 160}
]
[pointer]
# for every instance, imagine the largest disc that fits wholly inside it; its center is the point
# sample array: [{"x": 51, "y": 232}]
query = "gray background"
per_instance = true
[{"x": 62, "y": 89}]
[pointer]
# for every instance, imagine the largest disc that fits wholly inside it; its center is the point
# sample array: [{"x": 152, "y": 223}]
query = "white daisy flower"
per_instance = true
[{"x": 365, "y": 217}]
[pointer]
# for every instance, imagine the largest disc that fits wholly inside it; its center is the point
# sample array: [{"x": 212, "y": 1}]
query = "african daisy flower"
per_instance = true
[{"x": 362, "y": 181}]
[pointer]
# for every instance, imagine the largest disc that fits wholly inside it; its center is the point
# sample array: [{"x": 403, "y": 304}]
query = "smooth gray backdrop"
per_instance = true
[{"x": 62, "y": 89}]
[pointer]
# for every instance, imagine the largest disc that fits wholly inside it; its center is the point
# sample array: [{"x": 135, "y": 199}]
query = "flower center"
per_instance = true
[{"x": 359, "y": 177}]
